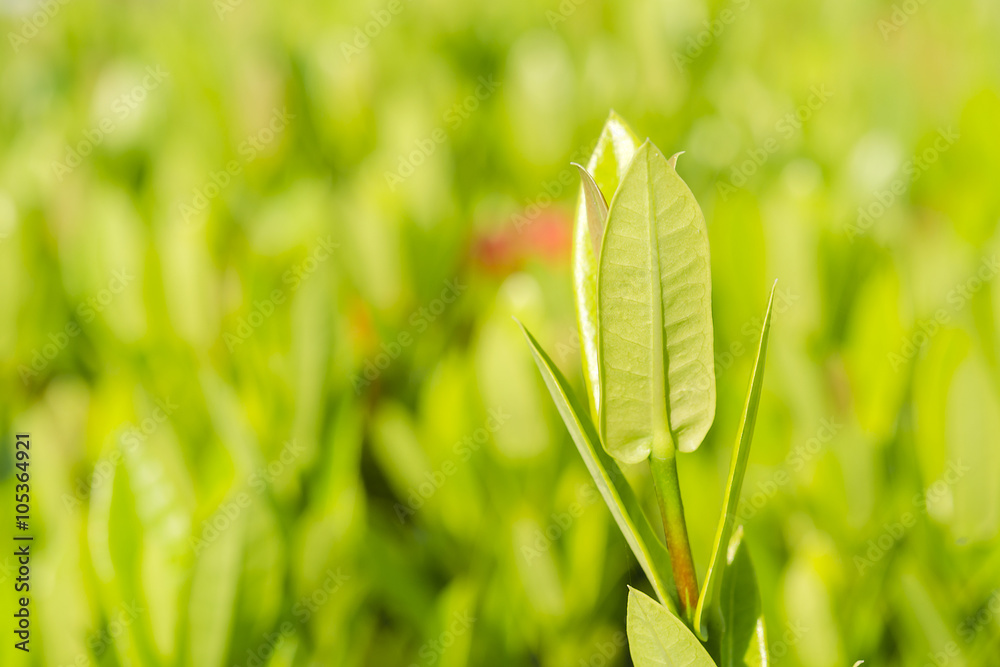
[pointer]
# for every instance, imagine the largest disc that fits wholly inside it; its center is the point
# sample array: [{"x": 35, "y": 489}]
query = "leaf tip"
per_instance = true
[
  {"x": 520, "y": 325},
  {"x": 635, "y": 598},
  {"x": 614, "y": 116},
  {"x": 590, "y": 185},
  {"x": 770, "y": 302}
]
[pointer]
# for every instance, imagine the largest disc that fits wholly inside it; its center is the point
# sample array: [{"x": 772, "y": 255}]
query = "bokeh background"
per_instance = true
[{"x": 258, "y": 265}]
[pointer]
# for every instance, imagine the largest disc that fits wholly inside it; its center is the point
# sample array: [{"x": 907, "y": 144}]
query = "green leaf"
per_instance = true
[
  {"x": 610, "y": 481},
  {"x": 595, "y": 208},
  {"x": 261, "y": 568},
  {"x": 709, "y": 599},
  {"x": 739, "y": 634},
  {"x": 212, "y": 604},
  {"x": 657, "y": 638},
  {"x": 655, "y": 311},
  {"x": 607, "y": 165}
]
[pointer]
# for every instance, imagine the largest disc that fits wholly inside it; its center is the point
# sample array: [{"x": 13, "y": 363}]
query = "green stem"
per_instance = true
[{"x": 663, "y": 465}]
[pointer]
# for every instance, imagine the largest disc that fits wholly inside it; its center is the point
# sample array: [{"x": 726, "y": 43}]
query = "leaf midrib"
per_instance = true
[
  {"x": 659, "y": 419},
  {"x": 651, "y": 626}
]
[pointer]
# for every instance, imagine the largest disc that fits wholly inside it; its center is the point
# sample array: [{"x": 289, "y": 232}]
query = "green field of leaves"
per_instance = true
[{"x": 259, "y": 269}]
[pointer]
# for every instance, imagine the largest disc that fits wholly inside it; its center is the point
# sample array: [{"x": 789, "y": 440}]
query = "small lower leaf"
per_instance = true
[
  {"x": 741, "y": 638},
  {"x": 657, "y": 638}
]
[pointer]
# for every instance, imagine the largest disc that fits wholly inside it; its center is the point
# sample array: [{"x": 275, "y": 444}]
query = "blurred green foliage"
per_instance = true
[{"x": 259, "y": 263}]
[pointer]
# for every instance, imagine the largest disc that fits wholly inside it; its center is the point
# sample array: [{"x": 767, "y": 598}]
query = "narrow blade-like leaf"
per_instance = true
[
  {"x": 709, "y": 599},
  {"x": 610, "y": 480},
  {"x": 655, "y": 310},
  {"x": 740, "y": 636},
  {"x": 657, "y": 638},
  {"x": 607, "y": 165}
]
